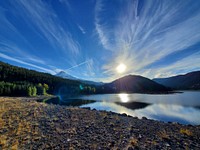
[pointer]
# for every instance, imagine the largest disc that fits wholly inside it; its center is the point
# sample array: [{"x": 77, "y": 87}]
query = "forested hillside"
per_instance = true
[
  {"x": 189, "y": 81},
  {"x": 133, "y": 84},
  {"x": 17, "y": 81}
]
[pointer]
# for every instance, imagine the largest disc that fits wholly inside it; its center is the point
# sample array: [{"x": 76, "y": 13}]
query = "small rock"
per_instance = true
[
  {"x": 130, "y": 148},
  {"x": 176, "y": 123},
  {"x": 167, "y": 145},
  {"x": 140, "y": 136},
  {"x": 117, "y": 122},
  {"x": 189, "y": 125},
  {"x": 105, "y": 117},
  {"x": 112, "y": 144},
  {"x": 124, "y": 114},
  {"x": 144, "y": 118},
  {"x": 88, "y": 108},
  {"x": 135, "y": 117},
  {"x": 111, "y": 125}
]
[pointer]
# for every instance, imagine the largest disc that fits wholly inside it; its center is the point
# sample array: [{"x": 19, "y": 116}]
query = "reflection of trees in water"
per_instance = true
[
  {"x": 78, "y": 102},
  {"x": 197, "y": 107},
  {"x": 133, "y": 105},
  {"x": 68, "y": 102}
]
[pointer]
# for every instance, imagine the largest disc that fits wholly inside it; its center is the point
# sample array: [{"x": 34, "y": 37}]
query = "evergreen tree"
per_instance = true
[
  {"x": 44, "y": 91},
  {"x": 34, "y": 91},
  {"x": 29, "y": 91},
  {"x": 39, "y": 89},
  {"x": 15, "y": 81},
  {"x": 46, "y": 86}
]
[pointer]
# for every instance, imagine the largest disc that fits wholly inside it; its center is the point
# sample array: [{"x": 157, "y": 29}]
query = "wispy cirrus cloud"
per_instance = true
[
  {"x": 40, "y": 19},
  {"x": 81, "y": 29},
  {"x": 41, "y": 15},
  {"x": 101, "y": 29},
  {"x": 12, "y": 52},
  {"x": 85, "y": 69},
  {"x": 90, "y": 67},
  {"x": 146, "y": 32},
  {"x": 26, "y": 63},
  {"x": 10, "y": 49},
  {"x": 185, "y": 65},
  {"x": 144, "y": 35}
]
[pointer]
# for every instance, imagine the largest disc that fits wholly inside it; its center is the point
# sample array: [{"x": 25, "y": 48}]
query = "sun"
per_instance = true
[{"x": 121, "y": 68}]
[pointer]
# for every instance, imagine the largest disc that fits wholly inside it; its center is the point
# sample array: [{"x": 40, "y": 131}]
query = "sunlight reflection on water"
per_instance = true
[
  {"x": 183, "y": 108},
  {"x": 124, "y": 97}
]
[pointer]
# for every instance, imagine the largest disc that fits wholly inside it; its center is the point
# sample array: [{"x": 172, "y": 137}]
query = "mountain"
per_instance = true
[
  {"x": 92, "y": 82},
  {"x": 189, "y": 81},
  {"x": 134, "y": 84},
  {"x": 63, "y": 74},
  {"x": 16, "y": 81}
]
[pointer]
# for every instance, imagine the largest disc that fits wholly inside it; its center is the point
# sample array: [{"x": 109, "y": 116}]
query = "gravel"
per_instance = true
[{"x": 27, "y": 124}]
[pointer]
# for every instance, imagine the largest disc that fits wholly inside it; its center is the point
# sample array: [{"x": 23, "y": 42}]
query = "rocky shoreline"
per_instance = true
[{"x": 28, "y": 124}]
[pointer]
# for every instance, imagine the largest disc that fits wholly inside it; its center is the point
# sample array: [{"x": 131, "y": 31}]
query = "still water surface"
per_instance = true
[{"x": 179, "y": 107}]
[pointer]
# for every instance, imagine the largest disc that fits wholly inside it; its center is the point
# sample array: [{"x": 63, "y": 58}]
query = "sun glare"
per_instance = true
[
  {"x": 121, "y": 68},
  {"x": 123, "y": 97}
]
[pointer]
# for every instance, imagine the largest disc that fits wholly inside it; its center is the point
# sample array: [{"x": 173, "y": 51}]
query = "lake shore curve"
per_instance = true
[{"x": 28, "y": 124}]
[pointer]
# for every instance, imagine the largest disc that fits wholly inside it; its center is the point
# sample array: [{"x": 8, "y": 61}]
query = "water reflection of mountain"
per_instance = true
[
  {"x": 69, "y": 102},
  {"x": 197, "y": 107},
  {"x": 133, "y": 105}
]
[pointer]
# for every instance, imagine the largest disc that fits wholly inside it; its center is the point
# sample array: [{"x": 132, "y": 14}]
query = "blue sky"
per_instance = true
[{"x": 89, "y": 39}]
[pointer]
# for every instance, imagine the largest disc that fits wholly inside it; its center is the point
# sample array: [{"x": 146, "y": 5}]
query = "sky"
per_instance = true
[{"x": 88, "y": 39}]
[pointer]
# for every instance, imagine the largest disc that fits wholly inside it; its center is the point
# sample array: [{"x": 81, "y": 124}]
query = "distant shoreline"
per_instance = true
[{"x": 52, "y": 96}]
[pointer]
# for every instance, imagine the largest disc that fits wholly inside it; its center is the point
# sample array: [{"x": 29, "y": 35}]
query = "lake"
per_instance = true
[{"x": 178, "y": 107}]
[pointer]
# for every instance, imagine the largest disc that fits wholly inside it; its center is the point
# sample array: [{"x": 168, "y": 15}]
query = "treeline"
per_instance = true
[
  {"x": 22, "y": 89},
  {"x": 17, "y": 81}
]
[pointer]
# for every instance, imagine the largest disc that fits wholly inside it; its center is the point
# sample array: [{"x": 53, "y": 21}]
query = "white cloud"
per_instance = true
[
  {"x": 176, "y": 112},
  {"x": 41, "y": 19},
  {"x": 101, "y": 29},
  {"x": 81, "y": 29},
  {"x": 143, "y": 36},
  {"x": 90, "y": 68},
  {"x": 25, "y": 63},
  {"x": 11, "y": 49},
  {"x": 190, "y": 63},
  {"x": 40, "y": 14}
]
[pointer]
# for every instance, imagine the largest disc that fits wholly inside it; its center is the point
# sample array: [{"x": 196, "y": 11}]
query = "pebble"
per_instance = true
[
  {"x": 130, "y": 148},
  {"x": 144, "y": 118},
  {"x": 124, "y": 114},
  {"x": 167, "y": 145}
]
